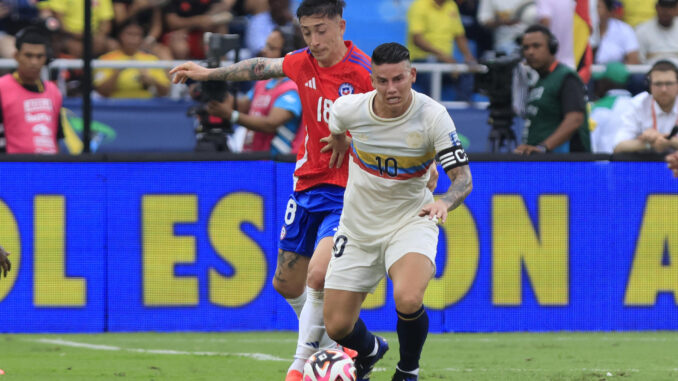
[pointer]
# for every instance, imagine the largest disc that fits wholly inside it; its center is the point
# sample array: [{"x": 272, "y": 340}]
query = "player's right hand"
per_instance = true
[
  {"x": 5, "y": 264},
  {"x": 189, "y": 70}
]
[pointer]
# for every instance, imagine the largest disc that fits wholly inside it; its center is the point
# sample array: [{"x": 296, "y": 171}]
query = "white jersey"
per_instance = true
[{"x": 389, "y": 160}]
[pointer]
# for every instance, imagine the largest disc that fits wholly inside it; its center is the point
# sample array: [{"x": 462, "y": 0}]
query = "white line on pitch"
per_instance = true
[{"x": 98, "y": 347}]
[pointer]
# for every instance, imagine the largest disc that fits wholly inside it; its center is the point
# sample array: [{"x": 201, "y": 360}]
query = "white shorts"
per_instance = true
[{"x": 359, "y": 264}]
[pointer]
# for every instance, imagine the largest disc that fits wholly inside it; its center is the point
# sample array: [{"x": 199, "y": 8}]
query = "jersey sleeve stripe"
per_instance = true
[
  {"x": 299, "y": 51},
  {"x": 361, "y": 59},
  {"x": 361, "y": 64},
  {"x": 348, "y": 54}
]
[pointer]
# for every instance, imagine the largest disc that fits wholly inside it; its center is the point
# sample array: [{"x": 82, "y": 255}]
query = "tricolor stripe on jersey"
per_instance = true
[{"x": 406, "y": 167}]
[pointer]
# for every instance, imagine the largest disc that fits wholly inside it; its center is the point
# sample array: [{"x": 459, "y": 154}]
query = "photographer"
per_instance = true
[
  {"x": 556, "y": 105},
  {"x": 271, "y": 111}
]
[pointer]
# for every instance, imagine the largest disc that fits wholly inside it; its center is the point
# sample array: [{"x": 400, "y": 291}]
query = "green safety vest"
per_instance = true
[{"x": 544, "y": 113}]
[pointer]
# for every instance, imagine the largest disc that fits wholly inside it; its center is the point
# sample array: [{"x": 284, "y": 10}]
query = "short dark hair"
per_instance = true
[
  {"x": 390, "y": 52},
  {"x": 321, "y": 8},
  {"x": 31, "y": 35},
  {"x": 663, "y": 65},
  {"x": 539, "y": 28}
]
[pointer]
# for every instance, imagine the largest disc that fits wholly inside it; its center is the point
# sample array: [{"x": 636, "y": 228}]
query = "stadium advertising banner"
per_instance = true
[{"x": 166, "y": 246}]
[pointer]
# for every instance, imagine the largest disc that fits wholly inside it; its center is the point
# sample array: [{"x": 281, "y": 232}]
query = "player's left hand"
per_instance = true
[
  {"x": 5, "y": 264},
  {"x": 436, "y": 211},
  {"x": 338, "y": 144}
]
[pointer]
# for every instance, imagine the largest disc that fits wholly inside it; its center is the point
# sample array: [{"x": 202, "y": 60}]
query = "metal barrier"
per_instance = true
[{"x": 436, "y": 69}]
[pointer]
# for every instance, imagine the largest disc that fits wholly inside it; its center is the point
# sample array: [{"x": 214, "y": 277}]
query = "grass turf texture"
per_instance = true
[{"x": 266, "y": 355}]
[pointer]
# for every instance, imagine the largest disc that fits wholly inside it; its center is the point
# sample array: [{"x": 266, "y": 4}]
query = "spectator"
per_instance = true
[
  {"x": 191, "y": 18},
  {"x": 433, "y": 28},
  {"x": 260, "y": 24},
  {"x": 29, "y": 107},
  {"x": 635, "y": 12},
  {"x": 618, "y": 42},
  {"x": 14, "y": 16},
  {"x": 658, "y": 37},
  {"x": 71, "y": 15},
  {"x": 503, "y": 17},
  {"x": 149, "y": 15},
  {"x": 558, "y": 16},
  {"x": 672, "y": 162},
  {"x": 5, "y": 264},
  {"x": 612, "y": 100},
  {"x": 272, "y": 109},
  {"x": 131, "y": 83},
  {"x": 647, "y": 123},
  {"x": 556, "y": 105}
]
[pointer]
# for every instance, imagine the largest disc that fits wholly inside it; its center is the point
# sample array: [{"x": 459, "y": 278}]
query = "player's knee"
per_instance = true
[
  {"x": 408, "y": 303},
  {"x": 337, "y": 326},
  {"x": 316, "y": 278},
  {"x": 288, "y": 289}
]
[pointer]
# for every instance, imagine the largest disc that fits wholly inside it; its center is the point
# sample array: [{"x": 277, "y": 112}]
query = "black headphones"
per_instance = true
[
  {"x": 552, "y": 42},
  {"x": 21, "y": 35},
  {"x": 663, "y": 65}
]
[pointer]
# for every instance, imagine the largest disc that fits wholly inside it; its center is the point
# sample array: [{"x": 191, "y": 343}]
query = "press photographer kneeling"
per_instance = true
[{"x": 271, "y": 111}]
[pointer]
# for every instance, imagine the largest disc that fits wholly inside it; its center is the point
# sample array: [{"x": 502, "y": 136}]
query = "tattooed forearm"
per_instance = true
[
  {"x": 460, "y": 188},
  {"x": 249, "y": 70}
]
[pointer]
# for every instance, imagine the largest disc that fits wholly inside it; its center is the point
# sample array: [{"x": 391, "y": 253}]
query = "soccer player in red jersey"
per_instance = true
[{"x": 327, "y": 69}]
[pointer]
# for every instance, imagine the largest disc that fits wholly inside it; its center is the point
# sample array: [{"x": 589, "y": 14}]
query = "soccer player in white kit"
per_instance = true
[{"x": 389, "y": 221}]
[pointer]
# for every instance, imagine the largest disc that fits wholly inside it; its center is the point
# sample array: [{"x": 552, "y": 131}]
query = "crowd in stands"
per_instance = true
[{"x": 624, "y": 32}]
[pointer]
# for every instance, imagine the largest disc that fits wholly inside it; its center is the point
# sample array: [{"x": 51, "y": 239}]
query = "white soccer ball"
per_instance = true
[{"x": 329, "y": 365}]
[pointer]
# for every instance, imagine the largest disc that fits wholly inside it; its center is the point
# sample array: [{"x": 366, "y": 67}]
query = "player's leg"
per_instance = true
[
  {"x": 410, "y": 262},
  {"x": 354, "y": 270},
  {"x": 289, "y": 279},
  {"x": 311, "y": 327},
  {"x": 410, "y": 276}
]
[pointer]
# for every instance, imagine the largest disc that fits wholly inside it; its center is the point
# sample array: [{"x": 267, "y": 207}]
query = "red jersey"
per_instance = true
[{"x": 319, "y": 87}]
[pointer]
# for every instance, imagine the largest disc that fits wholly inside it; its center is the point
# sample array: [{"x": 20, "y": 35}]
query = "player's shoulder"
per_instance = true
[
  {"x": 297, "y": 56},
  {"x": 429, "y": 105},
  {"x": 357, "y": 58}
]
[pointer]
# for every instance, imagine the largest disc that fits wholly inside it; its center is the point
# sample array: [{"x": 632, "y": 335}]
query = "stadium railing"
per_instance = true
[{"x": 436, "y": 69}]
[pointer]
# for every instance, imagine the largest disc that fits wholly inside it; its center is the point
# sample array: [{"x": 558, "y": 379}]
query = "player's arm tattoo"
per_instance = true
[
  {"x": 286, "y": 260},
  {"x": 249, "y": 70},
  {"x": 460, "y": 188}
]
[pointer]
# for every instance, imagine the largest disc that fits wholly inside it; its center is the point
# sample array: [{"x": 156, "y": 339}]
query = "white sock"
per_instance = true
[
  {"x": 311, "y": 328},
  {"x": 297, "y": 303}
]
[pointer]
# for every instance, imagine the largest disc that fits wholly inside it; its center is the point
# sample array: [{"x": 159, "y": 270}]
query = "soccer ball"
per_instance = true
[{"x": 329, "y": 365}]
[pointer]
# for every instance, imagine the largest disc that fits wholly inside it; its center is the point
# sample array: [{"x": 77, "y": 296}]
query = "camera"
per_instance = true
[
  {"x": 212, "y": 132},
  {"x": 496, "y": 84}
]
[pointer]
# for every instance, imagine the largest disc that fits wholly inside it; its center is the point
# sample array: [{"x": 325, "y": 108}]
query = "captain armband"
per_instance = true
[{"x": 452, "y": 157}]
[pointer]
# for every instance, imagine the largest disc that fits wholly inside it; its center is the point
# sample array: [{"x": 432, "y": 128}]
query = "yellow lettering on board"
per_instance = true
[
  {"x": 51, "y": 287},
  {"x": 515, "y": 244},
  {"x": 236, "y": 248},
  {"x": 10, "y": 240},
  {"x": 659, "y": 231},
  {"x": 162, "y": 250},
  {"x": 463, "y": 252}
]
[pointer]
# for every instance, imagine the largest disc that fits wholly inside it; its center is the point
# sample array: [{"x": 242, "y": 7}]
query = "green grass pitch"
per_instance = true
[{"x": 265, "y": 356}]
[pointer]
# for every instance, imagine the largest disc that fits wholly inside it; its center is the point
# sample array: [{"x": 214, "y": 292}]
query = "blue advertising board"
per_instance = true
[{"x": 165, "y": 246}]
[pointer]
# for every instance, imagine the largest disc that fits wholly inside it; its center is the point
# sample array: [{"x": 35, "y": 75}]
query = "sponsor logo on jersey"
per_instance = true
[
  {"x": 345, "y": 89},
  {"x": 455, "y": 139},
  {"x": 310, "y": 83}
]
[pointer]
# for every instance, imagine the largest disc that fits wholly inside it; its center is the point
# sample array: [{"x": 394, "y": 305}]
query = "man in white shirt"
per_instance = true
[
  {"x": 558, "y": 16},
  {"x": 504, "y": 18},
  {"x": 388, "y": 224},
  {"x": 649, "y": 122},
  {"x": 658, "y": 37}
]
